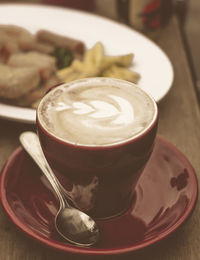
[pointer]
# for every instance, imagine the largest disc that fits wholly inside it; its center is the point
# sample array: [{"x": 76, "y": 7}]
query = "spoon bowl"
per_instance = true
[
  {"x": 72, "y": 224},
  {"x": 76, "y": 226}
]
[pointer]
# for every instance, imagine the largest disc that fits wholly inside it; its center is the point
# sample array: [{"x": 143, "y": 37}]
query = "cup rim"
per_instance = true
[{"x": 102, "y": 80}]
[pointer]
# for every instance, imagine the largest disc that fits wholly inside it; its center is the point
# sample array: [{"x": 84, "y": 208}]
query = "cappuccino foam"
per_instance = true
[{"x": 96, "y": 113}]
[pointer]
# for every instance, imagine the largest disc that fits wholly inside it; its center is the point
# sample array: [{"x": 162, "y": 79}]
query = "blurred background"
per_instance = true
[
  {"x": 188, "y": 12},
  {"x": 192, "y": 31}
]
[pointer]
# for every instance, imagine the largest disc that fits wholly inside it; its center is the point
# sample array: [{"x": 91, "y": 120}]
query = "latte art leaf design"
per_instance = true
[
  {"x": 81, "y": 108},
  {"x": 99, "y": 114},
  {"x": 112, "y": 111}
]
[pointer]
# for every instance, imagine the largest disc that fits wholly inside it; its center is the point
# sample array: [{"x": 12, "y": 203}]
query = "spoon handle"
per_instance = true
[{"x": 31, "y": 144}]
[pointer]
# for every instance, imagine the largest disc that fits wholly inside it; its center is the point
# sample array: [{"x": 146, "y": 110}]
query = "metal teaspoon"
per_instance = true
[{"x": 72, "y": 224}]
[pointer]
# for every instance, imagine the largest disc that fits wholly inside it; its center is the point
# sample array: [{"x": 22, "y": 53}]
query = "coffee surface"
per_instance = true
[{"x": 96, "y": 114}]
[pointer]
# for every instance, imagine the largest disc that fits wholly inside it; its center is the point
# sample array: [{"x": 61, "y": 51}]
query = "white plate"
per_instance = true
[{"x": 150, "y": 61}]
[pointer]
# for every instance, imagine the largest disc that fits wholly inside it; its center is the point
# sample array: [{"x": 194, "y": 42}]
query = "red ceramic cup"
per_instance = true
[{"x": 99, "y": 179}]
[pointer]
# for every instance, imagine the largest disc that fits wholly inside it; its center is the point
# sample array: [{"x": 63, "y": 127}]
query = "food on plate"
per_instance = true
[
  {"x": 34, "y": 96},
  {"x": 96, "y": 64},
  {"x": 61, "y": 41},
  {"x": 45, "y": 64},
  {"x": 16, "y": 82},
  {"x": 116, "y": 71},
  {"x": 63, "y": 57},
  {"x": 15, "y": 39},
  {"x": 30, "y": 64}
]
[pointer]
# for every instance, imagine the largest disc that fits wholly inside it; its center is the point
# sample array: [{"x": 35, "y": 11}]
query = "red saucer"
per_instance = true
[{"x": 164, "y": 198}]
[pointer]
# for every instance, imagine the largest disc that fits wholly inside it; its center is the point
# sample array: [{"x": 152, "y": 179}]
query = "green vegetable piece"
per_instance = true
[{"x": 63, "y": 56}]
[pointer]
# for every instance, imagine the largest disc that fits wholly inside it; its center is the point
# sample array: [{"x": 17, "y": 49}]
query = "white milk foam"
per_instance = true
[{"x": 96, "y": 114}]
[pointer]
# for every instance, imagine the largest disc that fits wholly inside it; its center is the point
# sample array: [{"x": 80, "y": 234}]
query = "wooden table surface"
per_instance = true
[{"x": 179, "y": 123}]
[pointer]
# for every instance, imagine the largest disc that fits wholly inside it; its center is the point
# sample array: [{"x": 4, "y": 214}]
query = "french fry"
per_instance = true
[
  {"x": 63, "y": 73},
  {"x": 88, "y": 74},
  {"x": 96, "y": 64},
  {"x": 78, "y": 65},
  {"x": 72, "y": 76},
  {"x": 98, "y": 53},
  {"x": 122, "y": 60},
  {"x": 121, "y": 73},
  {"x": 94, "y": 56},
  {"x": 88, "y": 57}
]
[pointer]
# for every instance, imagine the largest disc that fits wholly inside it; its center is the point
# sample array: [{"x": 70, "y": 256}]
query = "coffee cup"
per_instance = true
[{"x": 97, "y": 135}]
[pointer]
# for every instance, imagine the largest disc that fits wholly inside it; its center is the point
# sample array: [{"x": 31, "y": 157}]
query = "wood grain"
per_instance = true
[{"x": 179, "y": 123}]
